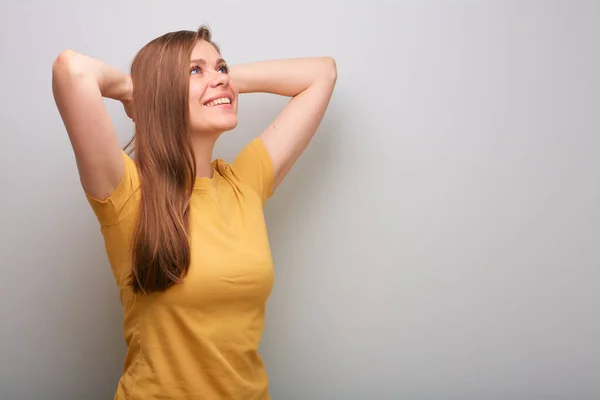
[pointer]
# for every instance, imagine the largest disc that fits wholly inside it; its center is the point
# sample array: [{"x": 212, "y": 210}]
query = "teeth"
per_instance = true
[{"x": 223, "y": 100}]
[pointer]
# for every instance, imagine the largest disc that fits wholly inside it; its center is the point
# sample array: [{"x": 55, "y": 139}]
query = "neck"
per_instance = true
[{"x": 203, "y": 146}]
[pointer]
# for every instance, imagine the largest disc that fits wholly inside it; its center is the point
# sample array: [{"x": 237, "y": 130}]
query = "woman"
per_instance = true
[{"x": 185, "y": 236}]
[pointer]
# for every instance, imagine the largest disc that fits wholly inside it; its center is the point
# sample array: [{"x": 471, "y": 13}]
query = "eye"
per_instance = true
[
  {"x": 224, "y": 69},
  {"x": 195, "y": 70}
]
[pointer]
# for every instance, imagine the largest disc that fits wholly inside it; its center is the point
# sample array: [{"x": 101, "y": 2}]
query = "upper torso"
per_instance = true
[{"x": 200, "y": 338}]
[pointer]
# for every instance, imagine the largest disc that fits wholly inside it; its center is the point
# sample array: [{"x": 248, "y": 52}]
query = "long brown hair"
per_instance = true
[{"x": 160, "y": 248}]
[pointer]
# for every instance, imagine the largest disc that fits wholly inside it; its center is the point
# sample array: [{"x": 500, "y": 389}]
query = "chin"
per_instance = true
[
  {"x": 226, "y": 123},
  {"x": 215, "y": 125},
  {"x": 227, "y": 127}
]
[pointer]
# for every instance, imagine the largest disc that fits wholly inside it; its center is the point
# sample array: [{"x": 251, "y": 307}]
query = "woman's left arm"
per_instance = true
[{"x": 310, "y": 83}]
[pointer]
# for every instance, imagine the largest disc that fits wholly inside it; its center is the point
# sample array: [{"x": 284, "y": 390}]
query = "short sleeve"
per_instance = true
[
  {"x": 254, "y": 168},
  {"x": 113, "y": 209}
]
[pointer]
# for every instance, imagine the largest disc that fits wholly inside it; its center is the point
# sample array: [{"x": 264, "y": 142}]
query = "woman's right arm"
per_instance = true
[{"x": 79, "y": 83}]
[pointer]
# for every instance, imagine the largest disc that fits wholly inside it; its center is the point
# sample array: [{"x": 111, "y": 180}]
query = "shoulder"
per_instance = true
[
  {"x": 252, "y": 169},
  {"x": 112, "y": 209}
]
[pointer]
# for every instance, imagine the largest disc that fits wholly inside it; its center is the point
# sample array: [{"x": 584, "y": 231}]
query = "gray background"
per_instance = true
[{"x": 438, "y": 240}]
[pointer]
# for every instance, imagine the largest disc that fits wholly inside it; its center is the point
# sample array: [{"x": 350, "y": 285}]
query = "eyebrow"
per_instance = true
[{"x": 203, "y": 62}]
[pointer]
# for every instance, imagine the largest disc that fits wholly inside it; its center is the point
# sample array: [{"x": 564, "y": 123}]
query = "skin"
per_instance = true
[
  {"x": 209, "y": 78},
  {"x": 79, "y": 83}
]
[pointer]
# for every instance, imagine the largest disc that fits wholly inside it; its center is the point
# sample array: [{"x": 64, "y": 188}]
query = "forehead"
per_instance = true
[{"x": 205, "y": 50}]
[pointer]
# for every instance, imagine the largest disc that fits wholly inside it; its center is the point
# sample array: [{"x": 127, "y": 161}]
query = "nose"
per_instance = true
[{"x": 220, "y": 79}]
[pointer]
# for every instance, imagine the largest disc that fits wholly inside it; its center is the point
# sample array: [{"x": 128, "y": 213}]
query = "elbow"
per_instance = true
[
  {"x": 330, "y": 69},
  {"x": 65, "y": 63}
]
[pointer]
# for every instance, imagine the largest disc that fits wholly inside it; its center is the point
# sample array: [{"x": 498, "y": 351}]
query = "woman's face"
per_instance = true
[{"x": 212, "y": 97}]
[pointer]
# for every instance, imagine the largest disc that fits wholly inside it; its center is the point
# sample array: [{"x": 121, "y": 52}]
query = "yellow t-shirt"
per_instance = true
[{"x": 199, "y": 339}]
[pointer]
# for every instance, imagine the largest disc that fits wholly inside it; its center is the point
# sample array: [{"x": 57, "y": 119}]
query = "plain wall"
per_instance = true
[{"x": 438, "y": 239}]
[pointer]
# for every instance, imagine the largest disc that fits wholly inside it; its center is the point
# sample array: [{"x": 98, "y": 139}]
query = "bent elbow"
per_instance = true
[
  {"x": 64, "y": 62},
  {"x": 330, "y": 68}
]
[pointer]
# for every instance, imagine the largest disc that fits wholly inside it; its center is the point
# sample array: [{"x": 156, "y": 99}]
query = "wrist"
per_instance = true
[
  {"x": 126, "y": 90},
  {"x": 116, "y": 85},
  {"x": 236, "y": 74}
]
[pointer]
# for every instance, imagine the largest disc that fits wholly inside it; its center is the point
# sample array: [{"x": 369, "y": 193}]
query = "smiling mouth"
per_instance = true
[{"x": 218, "y": 102}]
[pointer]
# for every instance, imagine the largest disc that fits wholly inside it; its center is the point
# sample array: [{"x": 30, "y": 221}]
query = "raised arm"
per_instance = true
[
  {"x": 310, "y": 83},
  {"x": 79, "y": 82}
]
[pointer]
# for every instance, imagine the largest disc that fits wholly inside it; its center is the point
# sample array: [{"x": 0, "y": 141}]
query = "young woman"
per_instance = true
[{"x": 184, "y": 234}]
